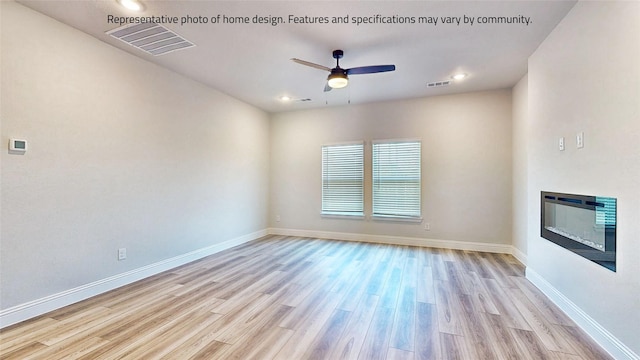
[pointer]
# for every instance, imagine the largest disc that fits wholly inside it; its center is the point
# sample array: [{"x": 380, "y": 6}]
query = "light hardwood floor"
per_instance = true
[{"x": 297, "y": 298}]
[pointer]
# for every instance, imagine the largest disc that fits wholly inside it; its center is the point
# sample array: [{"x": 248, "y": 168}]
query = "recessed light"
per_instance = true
[
  {"x": 459, "y": 76},
  {"x": 285, "y": 98},
  {"x": 133, "y": 5}
]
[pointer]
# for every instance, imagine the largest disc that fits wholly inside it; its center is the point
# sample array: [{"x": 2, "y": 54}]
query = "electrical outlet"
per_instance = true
[
  {"x": 561, "y": 143},
  {"x": 427, "y": 226},
  {"x": 277, "y": 218},
  {"x": 122, "y": 254}
]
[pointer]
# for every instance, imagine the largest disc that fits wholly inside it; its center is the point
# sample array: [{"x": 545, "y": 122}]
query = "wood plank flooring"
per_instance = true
[{"x": 298, "y": 298}]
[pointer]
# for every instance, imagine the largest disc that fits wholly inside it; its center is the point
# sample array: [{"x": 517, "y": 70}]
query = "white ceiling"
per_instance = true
[{"x": 252, "y": 61}]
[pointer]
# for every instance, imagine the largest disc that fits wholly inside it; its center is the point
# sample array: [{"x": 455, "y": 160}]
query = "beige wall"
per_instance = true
[
  {"x": 122, "y": 153},
  {"x": 466, "y": 164},
  {"x": 520, "y": 135},
  {"x": 585, "y": 77}
]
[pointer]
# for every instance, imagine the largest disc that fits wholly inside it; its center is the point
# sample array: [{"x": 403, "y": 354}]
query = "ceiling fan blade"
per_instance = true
[
  {"x": 327, "y": 88},
  {"x": 370, "y": 69},
  {"x": 307, "y": 63}
]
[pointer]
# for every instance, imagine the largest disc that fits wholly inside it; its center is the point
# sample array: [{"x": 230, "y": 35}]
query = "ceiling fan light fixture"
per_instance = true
[
  {"x": 337, "y": 80},
  {"x": 338, "y": 77}
]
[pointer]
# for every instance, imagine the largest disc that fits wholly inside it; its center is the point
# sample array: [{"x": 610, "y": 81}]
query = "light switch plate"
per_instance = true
[{"x": 580, "y": 140}]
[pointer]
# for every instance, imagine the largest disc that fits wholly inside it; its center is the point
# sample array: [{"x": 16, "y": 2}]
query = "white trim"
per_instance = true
[
  {"x": 340, "y": 143},
  {"x": 602, "y": 336},
  {"x": 328, "y": 215},
  {"x": 49, "y": 303},
  {"x": 518, "y": 254},
  {"x": 397, "y": 218},
  {"x": 396, "y": 240},
  {"x": 396, "y": 141}
]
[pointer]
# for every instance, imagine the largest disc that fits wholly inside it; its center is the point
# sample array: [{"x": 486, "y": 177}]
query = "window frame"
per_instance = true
[
  {"x": 375, "y": 180},
  {"x": 346, "y": 213}
]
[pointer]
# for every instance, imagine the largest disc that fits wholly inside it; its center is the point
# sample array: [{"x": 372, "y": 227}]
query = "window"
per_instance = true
[
  {"x": 396, "y": 179},
  {"x": 342, "y": 179}
]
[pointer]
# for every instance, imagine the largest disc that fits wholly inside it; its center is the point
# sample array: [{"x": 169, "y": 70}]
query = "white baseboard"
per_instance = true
[
  {"x": 518, "y": 254},
  {"x": 396, "y": 240},
  {"x": 41, "y": 306},
  {"x": 602, "y": 336}
]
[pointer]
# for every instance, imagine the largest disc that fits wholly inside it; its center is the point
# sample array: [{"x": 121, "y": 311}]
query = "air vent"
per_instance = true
[
  {"x": 151, "y": 38},
  {"x": 439, "y": 83}
]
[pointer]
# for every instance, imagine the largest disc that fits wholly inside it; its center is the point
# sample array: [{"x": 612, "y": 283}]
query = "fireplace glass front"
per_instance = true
[{"x": 583, "y": 224}]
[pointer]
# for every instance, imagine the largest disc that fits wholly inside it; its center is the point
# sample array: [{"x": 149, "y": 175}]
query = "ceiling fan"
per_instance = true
[{"x": 338, "y": 77}]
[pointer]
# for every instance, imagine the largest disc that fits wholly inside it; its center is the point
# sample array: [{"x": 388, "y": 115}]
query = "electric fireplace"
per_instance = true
[{"x": 583, "y": 224}]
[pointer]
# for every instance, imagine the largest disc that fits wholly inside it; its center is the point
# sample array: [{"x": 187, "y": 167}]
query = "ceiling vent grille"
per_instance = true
[
  {"x": 439, "y": 83},
  {"x": 151, "y": 38}
]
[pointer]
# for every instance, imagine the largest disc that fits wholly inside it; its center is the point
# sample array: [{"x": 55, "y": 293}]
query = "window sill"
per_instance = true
[
  {"x": 342, "y": 216},
  {"x": 409, "y": 219}
]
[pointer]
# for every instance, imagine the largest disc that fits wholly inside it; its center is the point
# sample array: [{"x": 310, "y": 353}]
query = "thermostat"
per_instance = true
[{"x": 18, "y": 145}]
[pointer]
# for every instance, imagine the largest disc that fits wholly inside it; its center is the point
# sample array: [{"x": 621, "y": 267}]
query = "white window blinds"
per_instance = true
[
  {"x": 396, "y": 179},
  {"x": 342, "y": 179}
]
